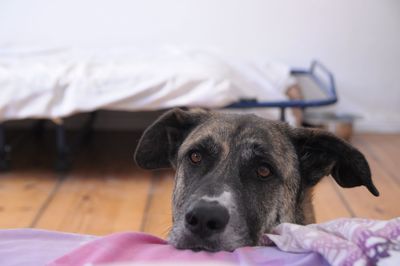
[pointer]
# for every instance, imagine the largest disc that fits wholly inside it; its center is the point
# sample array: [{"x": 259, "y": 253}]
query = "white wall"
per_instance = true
[{"x": 359, "y": 39}]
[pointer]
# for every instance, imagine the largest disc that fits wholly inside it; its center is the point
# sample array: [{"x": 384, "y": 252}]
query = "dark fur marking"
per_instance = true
[{"x": 233, "y": 146}]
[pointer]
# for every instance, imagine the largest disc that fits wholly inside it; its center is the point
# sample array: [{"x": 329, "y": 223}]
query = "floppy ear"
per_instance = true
[
  {"x": 160, "y": 142},
  {"x": 321, "y": 153}
]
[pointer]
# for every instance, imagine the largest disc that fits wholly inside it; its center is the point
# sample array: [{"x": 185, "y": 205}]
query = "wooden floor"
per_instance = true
[{"x": 105, "y": 192}]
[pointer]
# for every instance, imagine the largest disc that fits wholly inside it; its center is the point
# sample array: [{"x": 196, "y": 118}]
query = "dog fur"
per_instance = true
[{"x": 232, "y": 147}]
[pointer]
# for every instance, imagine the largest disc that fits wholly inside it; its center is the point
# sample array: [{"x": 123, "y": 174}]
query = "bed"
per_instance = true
[{"x": 53, "y": 84}]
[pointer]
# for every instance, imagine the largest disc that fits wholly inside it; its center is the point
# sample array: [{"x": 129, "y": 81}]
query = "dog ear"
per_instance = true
[
  {"x": 160, "y": 142},
  {"x": 321, "y": 153}
]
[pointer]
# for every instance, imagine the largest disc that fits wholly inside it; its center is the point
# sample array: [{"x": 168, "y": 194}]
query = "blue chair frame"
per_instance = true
[{"x": 329, "y": 89}]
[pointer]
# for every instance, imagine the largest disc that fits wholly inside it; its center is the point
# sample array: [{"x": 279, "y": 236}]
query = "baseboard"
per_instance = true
[{"x": 377, "y": 126}]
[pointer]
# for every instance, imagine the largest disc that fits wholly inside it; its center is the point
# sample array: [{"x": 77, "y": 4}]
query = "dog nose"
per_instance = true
[{"x": 207, "y": 218}]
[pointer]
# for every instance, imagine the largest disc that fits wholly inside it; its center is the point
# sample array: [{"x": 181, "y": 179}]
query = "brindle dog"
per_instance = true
[{"x": 238, "y": 176}]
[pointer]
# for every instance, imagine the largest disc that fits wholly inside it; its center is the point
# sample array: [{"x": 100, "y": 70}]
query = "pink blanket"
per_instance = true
[
  {"x": 144, "y": 249},
  {"x": 339, "y": 242}
]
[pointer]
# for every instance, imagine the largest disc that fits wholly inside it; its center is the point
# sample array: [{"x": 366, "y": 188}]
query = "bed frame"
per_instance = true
[{"x": 317, "y": 72}]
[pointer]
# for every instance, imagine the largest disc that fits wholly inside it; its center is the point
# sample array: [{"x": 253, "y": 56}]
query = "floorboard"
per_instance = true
[
  {"x": 158, "y": 218},
  {"x": 365, "y": 204},
  {"x": 105, "y": 192},
  {"x": 25, "y": 190},
  {"x": 328, "y": 202}
]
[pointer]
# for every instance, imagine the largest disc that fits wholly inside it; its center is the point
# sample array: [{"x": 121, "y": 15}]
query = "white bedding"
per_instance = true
[{"x": 55, "y": 83}]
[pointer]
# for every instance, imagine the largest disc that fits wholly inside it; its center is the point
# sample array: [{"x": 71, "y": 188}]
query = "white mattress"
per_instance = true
[{"x": 55, "y": 83}]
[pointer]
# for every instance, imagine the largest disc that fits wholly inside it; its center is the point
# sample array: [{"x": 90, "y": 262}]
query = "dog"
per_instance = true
[{"x": 238, "y": 176}]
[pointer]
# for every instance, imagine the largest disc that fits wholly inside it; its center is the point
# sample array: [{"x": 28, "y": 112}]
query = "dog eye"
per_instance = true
[
  {"x": 263, "y": 172},
  {"x": 195, "y": 157}
]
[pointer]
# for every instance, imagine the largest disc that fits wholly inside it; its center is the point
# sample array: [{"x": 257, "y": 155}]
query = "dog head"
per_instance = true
[{"x": 238, "y": 176}]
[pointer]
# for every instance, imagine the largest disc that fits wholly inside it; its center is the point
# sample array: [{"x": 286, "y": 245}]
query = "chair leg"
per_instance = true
[{"x": 283, "y": 115}]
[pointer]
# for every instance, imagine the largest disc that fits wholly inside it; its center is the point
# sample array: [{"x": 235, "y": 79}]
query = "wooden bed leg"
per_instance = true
[
  {"x": 62, "y": 162},
  {"x": 4, "y": 149}
]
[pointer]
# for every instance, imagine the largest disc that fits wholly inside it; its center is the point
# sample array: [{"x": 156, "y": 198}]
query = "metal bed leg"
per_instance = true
[
  {"x": 62, "y": 163},
  {"x": 38, "y": 128},
  {"x": 4, "y": 150},
  {"x": 64, "y": 151},
  {"x": 283, "y": 116},
  {"x": 87, "y": 130}
]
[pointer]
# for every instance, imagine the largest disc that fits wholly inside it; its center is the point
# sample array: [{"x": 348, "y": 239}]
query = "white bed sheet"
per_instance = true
[{"x": 56, "y": 83}]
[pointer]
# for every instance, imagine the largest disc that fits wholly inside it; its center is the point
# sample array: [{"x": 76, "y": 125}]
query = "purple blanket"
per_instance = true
[
  {"x": 339, "y": 242},
  {"x": 36, "y": 247},
  {"x": 343, "y": 241}
]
